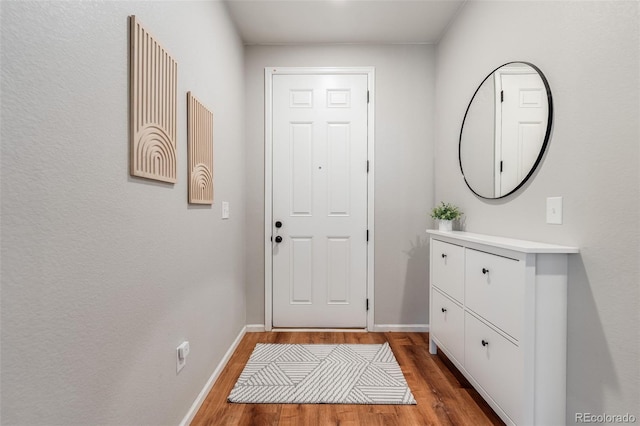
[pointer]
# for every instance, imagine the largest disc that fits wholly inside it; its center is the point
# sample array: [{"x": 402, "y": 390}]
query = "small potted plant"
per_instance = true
[{"x": 445, "y": 214}]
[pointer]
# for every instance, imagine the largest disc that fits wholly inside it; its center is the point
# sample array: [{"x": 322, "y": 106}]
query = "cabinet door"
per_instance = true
[
  {"x": 494, "y": 289},
  {"x": 496, "y": 364},
  {"x": 447, "y": 325},
  {"x": 447, "y": 268}
]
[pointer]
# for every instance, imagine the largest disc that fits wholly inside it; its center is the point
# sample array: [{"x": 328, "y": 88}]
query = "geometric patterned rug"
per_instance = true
[{"x": 322, "y": 374}]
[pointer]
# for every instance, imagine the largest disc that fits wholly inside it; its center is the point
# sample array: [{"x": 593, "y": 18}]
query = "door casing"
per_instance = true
[{"x": 268, "y": 182}]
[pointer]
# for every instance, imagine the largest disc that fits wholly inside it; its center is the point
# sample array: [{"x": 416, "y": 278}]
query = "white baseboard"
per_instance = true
[
  {"x": 418, "y": 328},
  {"x": 214, "y": 376},
  {"x": 321, "y": 330}
]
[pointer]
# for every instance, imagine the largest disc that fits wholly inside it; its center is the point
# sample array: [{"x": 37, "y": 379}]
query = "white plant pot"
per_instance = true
[{"x": 445, "y": 225}]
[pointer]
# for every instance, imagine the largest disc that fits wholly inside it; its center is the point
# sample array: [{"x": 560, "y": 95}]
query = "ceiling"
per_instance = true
[{"x": 342, "y": 21}]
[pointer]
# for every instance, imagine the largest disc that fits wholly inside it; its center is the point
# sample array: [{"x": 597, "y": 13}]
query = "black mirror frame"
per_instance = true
[{"x": 544, "y": 143}]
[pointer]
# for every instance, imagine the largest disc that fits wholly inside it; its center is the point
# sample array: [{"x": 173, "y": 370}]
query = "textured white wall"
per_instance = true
[
  {"x": 403, "y": 169},
  {"x": 589, "y": 52},
  {"x": 103, "y": 275}
]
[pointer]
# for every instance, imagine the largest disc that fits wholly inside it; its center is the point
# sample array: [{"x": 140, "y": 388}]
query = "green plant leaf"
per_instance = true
[{"x": 446, "y": 212}]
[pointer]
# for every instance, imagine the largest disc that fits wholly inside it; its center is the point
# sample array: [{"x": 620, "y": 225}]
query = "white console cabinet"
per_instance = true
[{"x": 499, "y": 312}]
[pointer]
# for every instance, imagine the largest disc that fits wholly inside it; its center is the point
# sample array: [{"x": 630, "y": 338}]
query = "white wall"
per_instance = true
[
  {"x": 403, "y": 169},
  {"x": 589, "y": 52},
  {"x": 103, "y": 275}
]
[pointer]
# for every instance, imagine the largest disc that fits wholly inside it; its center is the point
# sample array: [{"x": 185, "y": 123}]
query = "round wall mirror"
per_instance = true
[{"x": 505, "y": 130}]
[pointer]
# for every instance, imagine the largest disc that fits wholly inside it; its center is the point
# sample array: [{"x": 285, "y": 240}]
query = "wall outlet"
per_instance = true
[
  {"x": 554, "y": 210},
  {"x": 181, "y": 355}
]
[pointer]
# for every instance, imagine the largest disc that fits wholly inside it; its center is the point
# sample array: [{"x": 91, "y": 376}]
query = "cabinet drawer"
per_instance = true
[
  {"x": 447, "y": 268},
  {"x": 496, "y": 364},
  {"x": 447, "y": 324},
  {"x": 495, "y": 289}
]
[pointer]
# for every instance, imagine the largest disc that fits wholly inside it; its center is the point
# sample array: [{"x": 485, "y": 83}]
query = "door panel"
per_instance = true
[
  {"x": 447, "y": 272},
  {"x": 494, "y": 290},
  {"x": 338, "y": 170},
  {"x": 448, "y": 325},
  {"x": 496, "y": 364},
  {"x": 301, "y": 267},
  {"x": 338, "y": 271},
  {"x": 301, "y": 164},
  {"x": 320, "y": 195}
]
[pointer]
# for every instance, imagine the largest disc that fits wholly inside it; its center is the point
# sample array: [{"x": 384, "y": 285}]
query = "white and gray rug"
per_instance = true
[{"x": 321, "y": 374}]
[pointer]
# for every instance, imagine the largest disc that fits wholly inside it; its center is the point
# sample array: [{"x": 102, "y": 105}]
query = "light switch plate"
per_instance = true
[
  {"x": 554, "y": 210},
  {"x": 181, "y": 355},
  {"x": 225, "y": 210}
]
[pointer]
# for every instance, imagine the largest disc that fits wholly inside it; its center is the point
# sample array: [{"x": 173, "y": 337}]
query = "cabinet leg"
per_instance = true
[{"x": 433, "y": 348}]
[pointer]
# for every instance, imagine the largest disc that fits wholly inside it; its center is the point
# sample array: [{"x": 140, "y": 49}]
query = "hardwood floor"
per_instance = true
[{"x": 444, "y": 397}]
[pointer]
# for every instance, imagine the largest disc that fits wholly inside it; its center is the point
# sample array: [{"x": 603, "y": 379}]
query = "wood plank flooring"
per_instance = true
[{"x": 444, "y": 397}]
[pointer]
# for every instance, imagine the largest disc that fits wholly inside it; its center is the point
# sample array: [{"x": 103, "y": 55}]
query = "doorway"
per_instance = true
[{"x": 319, "y": 198}]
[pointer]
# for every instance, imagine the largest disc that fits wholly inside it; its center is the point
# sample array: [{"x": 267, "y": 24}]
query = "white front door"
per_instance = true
[
  {"x": 524, "y": 122},
  {"x": 319, "y": 200}
]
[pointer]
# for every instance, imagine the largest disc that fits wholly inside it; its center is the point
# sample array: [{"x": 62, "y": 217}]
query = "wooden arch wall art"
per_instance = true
[
  {"x": 153, "y": 106},
  {"x": 199, "y": 151}
]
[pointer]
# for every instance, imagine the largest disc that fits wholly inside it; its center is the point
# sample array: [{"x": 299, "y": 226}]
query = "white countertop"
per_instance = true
[{"x": 522, "y": 246}]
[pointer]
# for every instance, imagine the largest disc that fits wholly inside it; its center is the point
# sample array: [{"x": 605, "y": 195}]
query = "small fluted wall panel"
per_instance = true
[
  {"x": 200, "y": 151},
  {"x": 153, "y": 107}
]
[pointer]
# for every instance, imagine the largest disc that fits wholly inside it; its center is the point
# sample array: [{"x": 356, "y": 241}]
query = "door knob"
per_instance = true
[
  {"x": 278, "y": 224},
  {"x": 278, "y": 239}
]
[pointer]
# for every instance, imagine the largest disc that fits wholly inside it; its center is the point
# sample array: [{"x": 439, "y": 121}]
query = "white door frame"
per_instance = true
[{"x": 269, "y": 72}]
